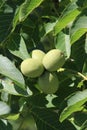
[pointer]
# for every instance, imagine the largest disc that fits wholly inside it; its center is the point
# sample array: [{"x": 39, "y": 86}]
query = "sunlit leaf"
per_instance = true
[
  {"x": 4, "y": 108},
  {"x": 74, "y": 103},
  {"x": 7, "y": 68},
  {"x": 9, "y": 87},
  {"x": 17, "y": 47},
  {"x": 27, "y": 7},
  {"x": 13, "y": 116},
  {"x": 47, "y": 28},
  {"x": 63, "y": 43},
  {"x": 79, "y": 28},
  {"x": 69, "y": 14},
  {"x": 24, "y": 10}
]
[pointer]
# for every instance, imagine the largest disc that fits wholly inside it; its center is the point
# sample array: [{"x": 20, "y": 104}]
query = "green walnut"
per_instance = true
[
  {"x": 38, "y": 54},
  {"x": 54, "y": 60},
  {"x": 48, "y": 83},
  {"x": 32, "y": 68}
]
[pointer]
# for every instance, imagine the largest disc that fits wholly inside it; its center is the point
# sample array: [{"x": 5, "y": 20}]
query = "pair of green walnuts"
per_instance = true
[{"x": 44, "y": 66}]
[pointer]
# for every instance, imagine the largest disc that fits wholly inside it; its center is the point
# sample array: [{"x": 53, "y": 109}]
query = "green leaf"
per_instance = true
[
  {"x": 4, "y": 125},
  {"x": 27, "y": 7},
  {"x": 13, "y": 116},
  {"x": 47, "y": 28},
  {"x": 15, "y": 19},
  {"x": 24, "y": 10},
  {"x": 74, "y": 103},
  {"x": 47, "y": 119},
  {"x": 7, "y": 68},
  {"x": 40, "y": 98},
  {"x": 17, "y": 47},
  {"x": 63, "y": 43},
  {"x": 84, "y": 126},
  {"x": 1, "y": 3},
  {"x": 4, "y": 108},
  {"x": 78, "y": 53},
  {"x": 5, "y": 25},
  {"x": 9, "y": 87},
  {"x": 80, "y": 117},
  {"x": 86, "y": 44},
  {"x": 69, "y": 14},
  {"x": 79, "y": 28}
]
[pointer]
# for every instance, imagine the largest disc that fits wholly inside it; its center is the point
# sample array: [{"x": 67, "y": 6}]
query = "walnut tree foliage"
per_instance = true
[{"x": 26, "y": 25}]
